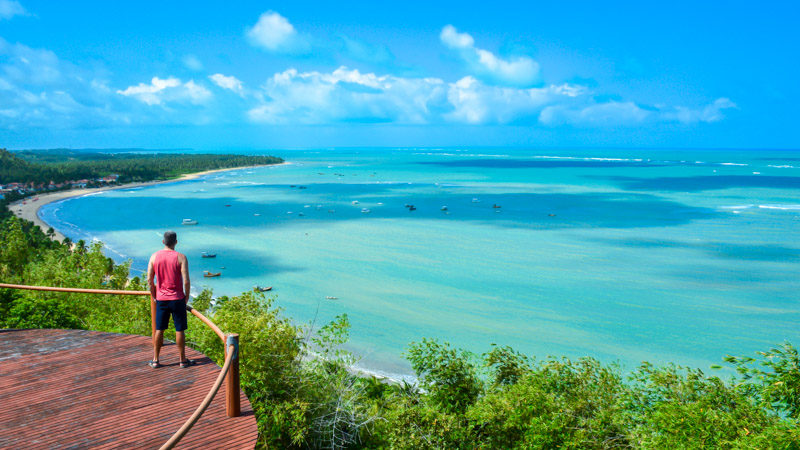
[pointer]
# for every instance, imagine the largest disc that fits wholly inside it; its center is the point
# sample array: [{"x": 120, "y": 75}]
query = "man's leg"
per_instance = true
[
  {"x": 161, "y": 325},
  {"x": 180, "y": 339},
  {"x": 158, "y": 341},
  {"x": 179, "y": 319}
]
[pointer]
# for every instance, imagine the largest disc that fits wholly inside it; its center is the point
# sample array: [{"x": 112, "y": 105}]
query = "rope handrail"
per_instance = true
[
  {"x": 231, "y": 364},
  {"x": 203, "y": 405},
  {"x": 73, "y": 290},
  {"x": 206, "y": 321}
]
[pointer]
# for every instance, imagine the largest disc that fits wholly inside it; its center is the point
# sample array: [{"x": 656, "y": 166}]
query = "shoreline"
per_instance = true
[{"x": 28, "y": 208}]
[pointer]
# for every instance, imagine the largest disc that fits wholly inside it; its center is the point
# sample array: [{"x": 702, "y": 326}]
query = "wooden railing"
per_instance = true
[{"x": 230, "y": 367}]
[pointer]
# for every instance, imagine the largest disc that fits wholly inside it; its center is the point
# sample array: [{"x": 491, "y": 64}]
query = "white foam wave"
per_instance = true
[
  {"x": 582, "y": 158},
  {"x": 766, "y": 206},
  {"x": 732, "y": 164},
  {"x": 781, "y": 207},
  {"x": 784, "y": 167}
]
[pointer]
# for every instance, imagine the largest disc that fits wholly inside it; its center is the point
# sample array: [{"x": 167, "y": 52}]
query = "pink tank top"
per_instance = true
[{"x": 169, "y": 280}]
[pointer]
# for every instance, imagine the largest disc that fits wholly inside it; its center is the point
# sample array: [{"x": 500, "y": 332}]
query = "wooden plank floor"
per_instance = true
[{"x": 86, "y": 389}]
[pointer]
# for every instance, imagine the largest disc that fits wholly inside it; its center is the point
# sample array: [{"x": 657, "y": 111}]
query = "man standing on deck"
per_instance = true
[{"x": 168, "y": 277}]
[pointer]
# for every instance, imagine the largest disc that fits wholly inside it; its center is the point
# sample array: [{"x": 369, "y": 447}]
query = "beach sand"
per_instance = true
[{"x": 28, "y": 208}]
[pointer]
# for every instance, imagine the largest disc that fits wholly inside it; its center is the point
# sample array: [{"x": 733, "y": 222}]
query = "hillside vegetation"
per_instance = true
[{"x": 44, "y": 166}]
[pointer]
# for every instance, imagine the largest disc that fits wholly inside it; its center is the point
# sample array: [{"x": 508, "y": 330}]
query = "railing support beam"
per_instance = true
[
  {"x": 233, "y": 401},
  {"x": 153, "y": 318}
]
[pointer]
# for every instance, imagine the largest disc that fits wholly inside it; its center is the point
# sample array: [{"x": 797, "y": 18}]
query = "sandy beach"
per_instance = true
[{"x": 28, "y": 208}]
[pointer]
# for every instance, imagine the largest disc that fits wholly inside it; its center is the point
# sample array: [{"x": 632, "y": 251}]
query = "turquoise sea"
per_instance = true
[{"x": 624, "y": 255}]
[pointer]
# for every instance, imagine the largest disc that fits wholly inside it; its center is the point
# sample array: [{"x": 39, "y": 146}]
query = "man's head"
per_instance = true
[{"x": 170, "y": 239}]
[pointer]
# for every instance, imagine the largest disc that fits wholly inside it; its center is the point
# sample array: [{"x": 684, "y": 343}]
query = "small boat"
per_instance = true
[
  {"x": 380, "y": 203},
  {"x": 228, "y": 206},
  {"x": 412, "y": 208},
  {"x": 355, "y": 202},
  {"x": 189, "y": 222},
  {"x": 262, "y": 289},
  {"x": 496, "y": 206},
  {"x": 208, "y": 274},
  {"x": 365, "y": 210},
  {"x": 302, "y": 187},
  {"x": 443, "y": 208},
  {"x": 551, "y": 215},
  {"x": 407, "y": 205},
  {"x": 256, "y": 214},
  {"x": 330, "y": 297},
  {"x": 300, "y": 214},
  {"x": 208, "y": 255}
]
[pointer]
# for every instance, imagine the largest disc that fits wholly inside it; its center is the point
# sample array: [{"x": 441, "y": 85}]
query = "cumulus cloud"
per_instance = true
[
  {"x": 709, "y": 113},
  {"x": 519, "y": 71},
  {"x": 347, "y": 96},
  {"x": 230, "y": 83},
  {"x": 38, "y": 89},
  {"x": 477, "y": 103},
  {"x": 160, "y": 91},
  {"x": 11, "y": 8},
  {"x": 599, "y": 114},
  {"x": 274, "y": 33},
  {"x": 615, "y": 113}
]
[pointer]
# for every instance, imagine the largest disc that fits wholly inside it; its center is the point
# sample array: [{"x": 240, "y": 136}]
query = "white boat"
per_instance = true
[
  {"x": 355, "y": 202},
  {"x": 189, "y": 222},
  {"x": 364, "y": 210}
]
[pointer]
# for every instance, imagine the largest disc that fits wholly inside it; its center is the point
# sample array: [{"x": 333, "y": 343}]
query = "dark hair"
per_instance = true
[{"x": 170, "y": 238}]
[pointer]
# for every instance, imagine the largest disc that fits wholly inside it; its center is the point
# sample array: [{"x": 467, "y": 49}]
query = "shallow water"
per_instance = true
[{"x": 681, "y": 256}]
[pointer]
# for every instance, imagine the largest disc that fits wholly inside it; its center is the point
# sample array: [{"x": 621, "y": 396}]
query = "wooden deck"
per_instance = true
[{"x": 86, "y": 389}]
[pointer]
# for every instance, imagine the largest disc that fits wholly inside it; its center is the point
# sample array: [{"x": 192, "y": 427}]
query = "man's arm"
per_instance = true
[
  {"x": 151, "y": 278},
  {"x": 187, "y": 285}
]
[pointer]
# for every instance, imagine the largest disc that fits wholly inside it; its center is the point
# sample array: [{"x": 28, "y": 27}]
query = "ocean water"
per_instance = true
[{"x": 623, "y": 255}]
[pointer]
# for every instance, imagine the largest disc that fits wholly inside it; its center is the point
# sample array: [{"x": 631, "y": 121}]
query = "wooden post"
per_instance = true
[
  {"x": 153, "y": 318},
  {"x": 233, "y": 406}
]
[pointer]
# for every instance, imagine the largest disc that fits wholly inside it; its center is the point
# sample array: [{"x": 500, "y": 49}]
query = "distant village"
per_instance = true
[{"x": 32, "y": 188}]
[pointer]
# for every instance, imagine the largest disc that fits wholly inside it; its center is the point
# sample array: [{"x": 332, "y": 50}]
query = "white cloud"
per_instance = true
[
  {"x": 609, "y": 113},
  {"x": 166, "y": 90},
  {"x": 273, "y": 32},
  {"x": 347, "y": 96},
  {"x": 39, "y": 90},
  {"x": 519, "y": 71},
  {"x": 11, "y": 8},
  {"x": 478, "y": 103},
  {"x": 192, "y": 62},
  {"x": 710, "y": 113},
  {"x": 230, "y": 83},
  {"x": 615, "y": 113},
  {"x": 453, "y": 39}
]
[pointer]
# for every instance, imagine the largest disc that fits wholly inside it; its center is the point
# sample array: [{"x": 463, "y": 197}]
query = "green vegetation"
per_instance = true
[
  {"x": 58, "y": 166},
  {"x": 304, "y": 395}
]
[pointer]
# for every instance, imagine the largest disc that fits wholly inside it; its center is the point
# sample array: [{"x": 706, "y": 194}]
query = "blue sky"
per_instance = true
[{"x": 241, "y": 75}]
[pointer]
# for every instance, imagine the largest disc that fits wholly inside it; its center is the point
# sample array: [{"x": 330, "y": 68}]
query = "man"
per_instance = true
[{"x": 168, "y": 276}]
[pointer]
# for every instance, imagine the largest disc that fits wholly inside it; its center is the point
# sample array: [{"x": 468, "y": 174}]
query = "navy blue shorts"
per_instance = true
[{"x": 176, "y": 308}]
